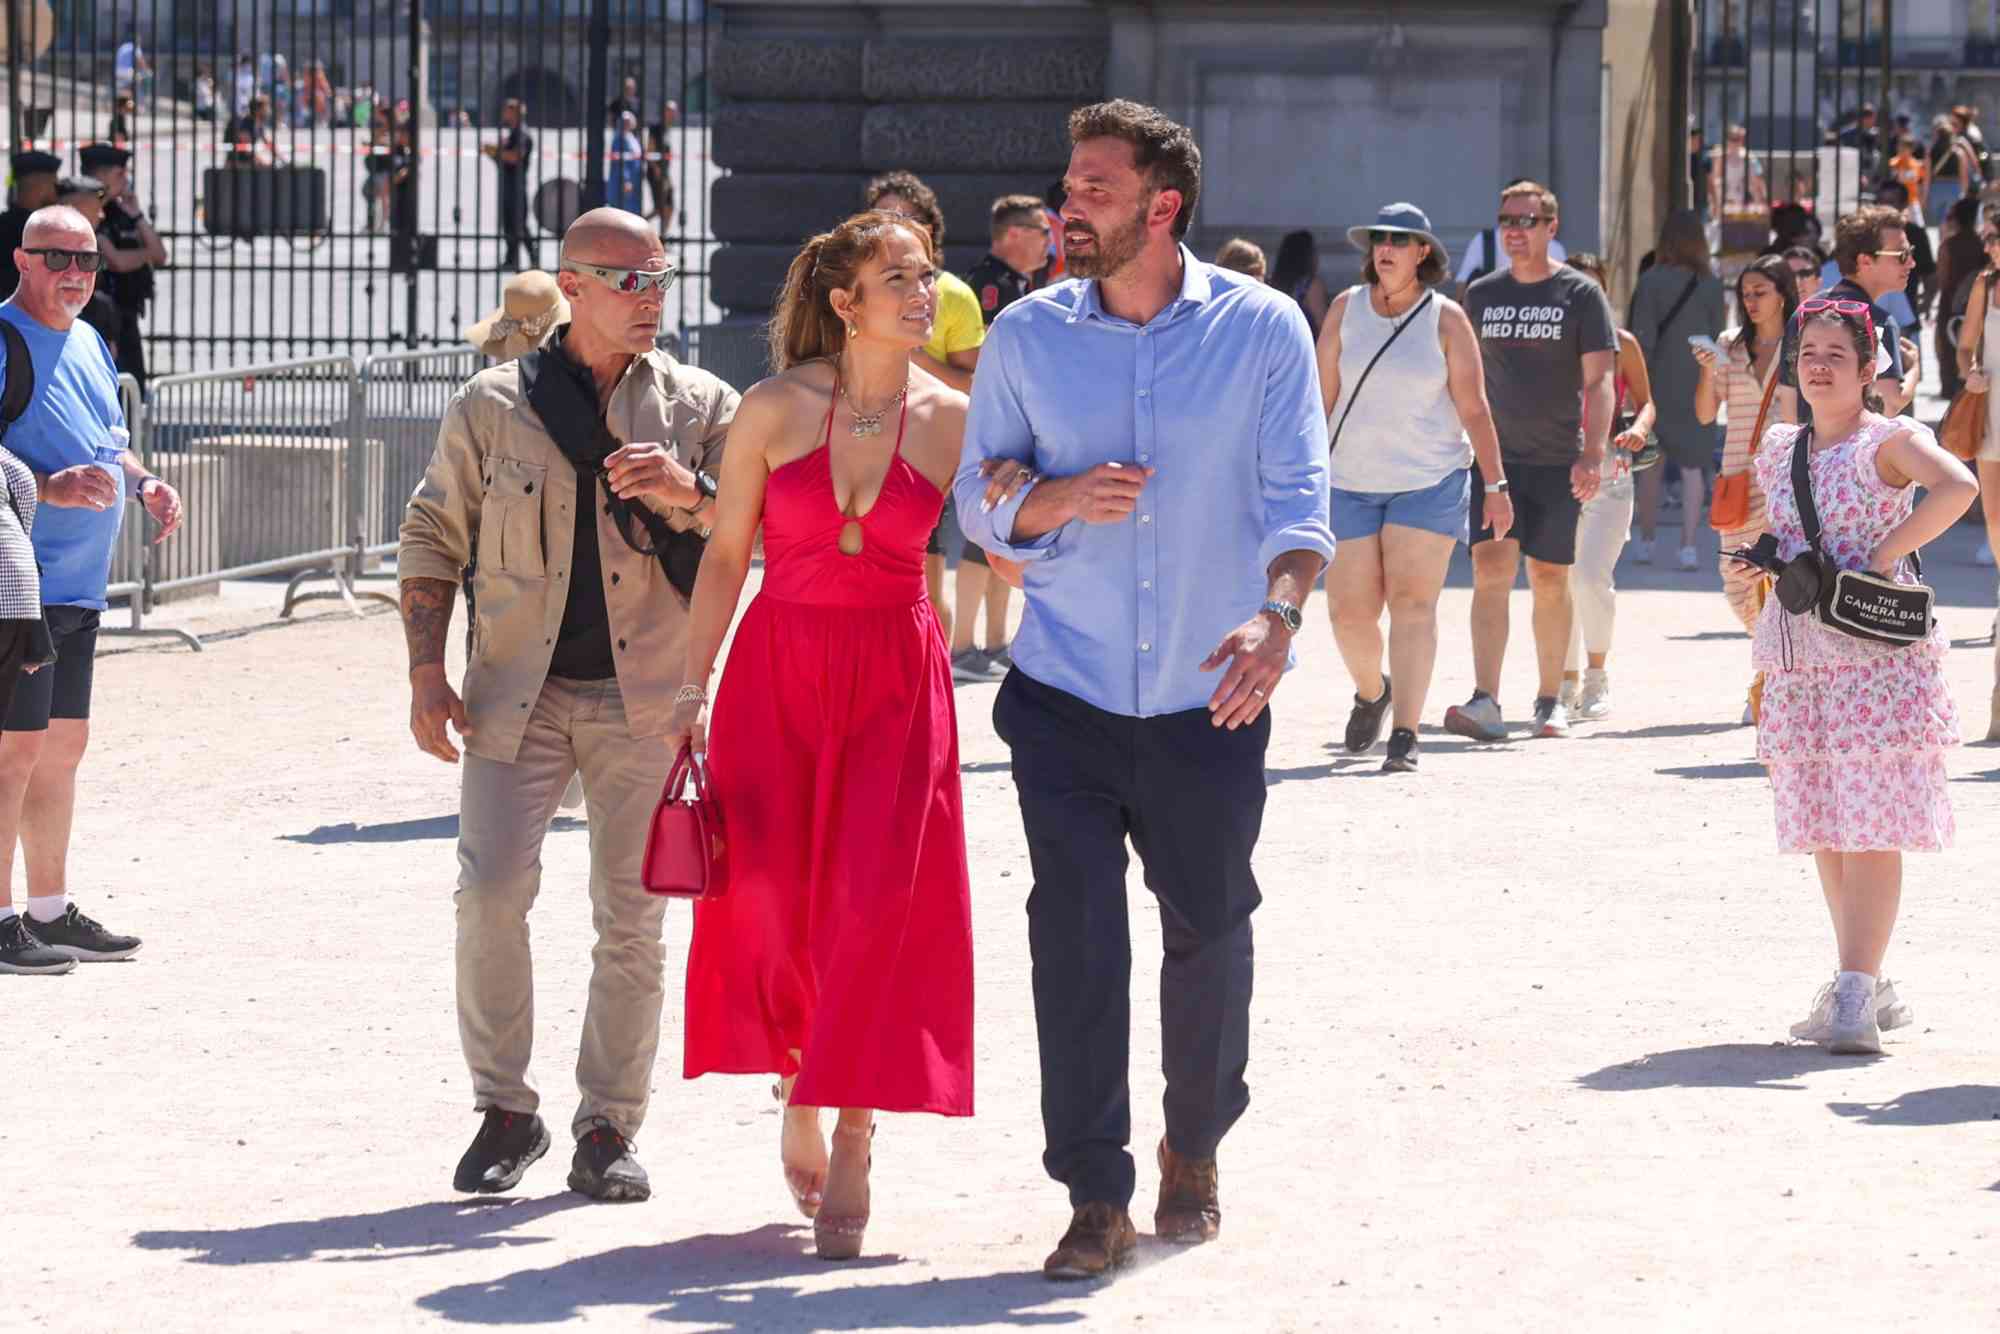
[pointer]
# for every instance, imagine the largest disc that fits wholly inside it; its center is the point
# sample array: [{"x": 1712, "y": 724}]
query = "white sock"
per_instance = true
[
  {"x": 1845, "y": 980},
  {"x": 48, "y": 909}
]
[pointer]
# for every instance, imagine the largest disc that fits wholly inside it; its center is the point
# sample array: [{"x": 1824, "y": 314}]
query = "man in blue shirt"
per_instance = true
[
  {"x": 1156, "y": 430},
  {"x": 75, "y": 414}
]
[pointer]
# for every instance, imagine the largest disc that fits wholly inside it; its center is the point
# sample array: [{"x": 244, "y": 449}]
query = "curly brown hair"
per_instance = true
[{"x": 922, "y": 198}]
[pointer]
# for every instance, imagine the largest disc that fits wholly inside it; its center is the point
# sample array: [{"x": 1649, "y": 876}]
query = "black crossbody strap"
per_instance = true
[
  {"x": 575, "y": 422},
  {"x": 1694, "y": 281},
  {"x": 1394, "y": 334},
  {"x": 1808, "y": 511}
]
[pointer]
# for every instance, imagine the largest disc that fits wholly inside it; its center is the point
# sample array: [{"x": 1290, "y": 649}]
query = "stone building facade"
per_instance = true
[{"x": 1311, "y": 113}]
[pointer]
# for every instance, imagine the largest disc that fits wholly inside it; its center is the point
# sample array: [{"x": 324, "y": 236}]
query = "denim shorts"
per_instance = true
[{"x": 1442, "y": 509}]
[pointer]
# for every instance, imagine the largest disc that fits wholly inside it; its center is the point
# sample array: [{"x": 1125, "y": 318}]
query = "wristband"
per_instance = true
[
  {"x": 690, "y": 694},
  {"x": 139, "y": 491},
  {"x": 704, "y": 484}
]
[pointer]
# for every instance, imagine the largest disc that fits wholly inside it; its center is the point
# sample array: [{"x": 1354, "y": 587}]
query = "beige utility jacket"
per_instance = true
[{"x": 497, "y": 485}]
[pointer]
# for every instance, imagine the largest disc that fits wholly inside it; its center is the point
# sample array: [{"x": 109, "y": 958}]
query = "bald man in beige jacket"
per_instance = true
[{"x": 577, "y": 646}]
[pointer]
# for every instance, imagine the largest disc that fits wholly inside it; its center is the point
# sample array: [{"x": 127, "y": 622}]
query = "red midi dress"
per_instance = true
[{"x": 846, "y": 932}]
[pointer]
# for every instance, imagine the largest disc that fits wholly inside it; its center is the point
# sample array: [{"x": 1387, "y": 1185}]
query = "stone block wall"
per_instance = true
[{"x": 811, "y": 108}]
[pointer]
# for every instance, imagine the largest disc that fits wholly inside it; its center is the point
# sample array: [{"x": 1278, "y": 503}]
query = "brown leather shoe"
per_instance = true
[
  {"x": 1190, "y": 1210},
  {"x": 1101, "y": 1238}
]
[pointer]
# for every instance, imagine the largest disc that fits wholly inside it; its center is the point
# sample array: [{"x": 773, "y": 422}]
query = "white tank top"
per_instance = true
[{"x": 1403, "y": 433}]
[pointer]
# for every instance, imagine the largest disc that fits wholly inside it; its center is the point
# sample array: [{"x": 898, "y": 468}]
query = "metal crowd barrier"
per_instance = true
[
  {"x": 299, "y": 467},
  {"x": 132, "y": 558},
  {"x": 403, "y": 396}
]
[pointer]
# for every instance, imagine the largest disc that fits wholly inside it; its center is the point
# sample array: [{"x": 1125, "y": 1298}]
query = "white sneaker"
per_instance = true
[
  {"x": 1890, "y": 1012},
  {"x": 572, "y": 796},
  {"x": 1856, "y": 1030},
  {"x": 1642, "y": 551},
  {"x": 1595, "y": 702},
  {"x": 1567, "y": 695},
  {"x": 1984, "y": 556},
  {"x": 1690, "y": 560},
  {"x": 1551, "y": 718},
  {"x": 1478, "y": 718}
]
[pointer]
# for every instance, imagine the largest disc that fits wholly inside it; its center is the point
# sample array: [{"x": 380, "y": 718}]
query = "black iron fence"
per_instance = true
[
  {"x": 1779, "y": 89},
  {"x": 323, "y": 171}
]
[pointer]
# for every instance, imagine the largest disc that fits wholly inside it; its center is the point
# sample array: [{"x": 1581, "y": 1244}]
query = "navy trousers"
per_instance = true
[{"x": 1190, "y": 797}]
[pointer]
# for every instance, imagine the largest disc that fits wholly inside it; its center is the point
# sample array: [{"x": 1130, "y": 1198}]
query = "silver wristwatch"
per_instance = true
[{"x": 1285, "y": 612}]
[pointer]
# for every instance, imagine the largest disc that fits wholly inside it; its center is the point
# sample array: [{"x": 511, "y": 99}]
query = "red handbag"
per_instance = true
[{"x": 687, "y": 856}]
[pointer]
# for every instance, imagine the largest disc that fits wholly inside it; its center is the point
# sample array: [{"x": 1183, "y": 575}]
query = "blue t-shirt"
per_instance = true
[{"x": 75, "y": 406}]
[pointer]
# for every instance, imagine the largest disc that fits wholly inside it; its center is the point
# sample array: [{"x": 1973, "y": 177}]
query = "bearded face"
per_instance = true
[{"x": 1089, "y": 253}]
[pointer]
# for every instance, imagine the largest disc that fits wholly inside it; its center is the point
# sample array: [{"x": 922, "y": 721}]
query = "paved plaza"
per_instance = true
[{"x": 1516, "y": 1057}]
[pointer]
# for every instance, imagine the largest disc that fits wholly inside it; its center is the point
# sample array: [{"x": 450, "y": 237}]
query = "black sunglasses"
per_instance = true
[
  {"x": 86, "y": 261},
  {"x": 1400, "y": 240}
]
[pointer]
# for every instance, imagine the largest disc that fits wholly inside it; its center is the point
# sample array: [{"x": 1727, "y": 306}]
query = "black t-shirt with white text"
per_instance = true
[{"x": 1533, "y": 338}]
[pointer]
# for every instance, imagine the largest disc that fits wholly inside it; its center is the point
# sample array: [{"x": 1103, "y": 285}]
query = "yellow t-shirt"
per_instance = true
[{"x": 959, "y": 325}]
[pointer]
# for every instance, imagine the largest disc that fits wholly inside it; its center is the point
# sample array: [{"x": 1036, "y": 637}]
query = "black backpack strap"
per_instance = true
[
  {"x": 20, "y": 388},
  {"x": 1394, "y": 334}
]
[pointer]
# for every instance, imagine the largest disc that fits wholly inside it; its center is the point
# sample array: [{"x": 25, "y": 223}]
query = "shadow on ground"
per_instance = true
[
  {"x": 1740, "y": 769},
  {"x": 1957, "y": 1104},
  {"x": 1744, "y": 1065},
  {"x": 438, "y": 1228},
  {"x": 721, "y": 1281},
  {"x": 407, "y": 831}
]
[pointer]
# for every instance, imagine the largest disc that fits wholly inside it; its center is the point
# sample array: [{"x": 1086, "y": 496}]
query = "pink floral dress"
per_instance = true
[{"x": 1853, "y": 733}]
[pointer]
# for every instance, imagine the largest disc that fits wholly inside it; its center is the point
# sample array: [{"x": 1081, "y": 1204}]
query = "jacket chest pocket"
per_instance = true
[{"x": 512, "y": 539}]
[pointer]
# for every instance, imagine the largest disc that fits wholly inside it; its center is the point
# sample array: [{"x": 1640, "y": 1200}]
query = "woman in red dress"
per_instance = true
[{"x": 841, "y": 956}]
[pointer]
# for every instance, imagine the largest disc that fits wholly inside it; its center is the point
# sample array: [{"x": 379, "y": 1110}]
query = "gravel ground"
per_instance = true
[{"x": 1516, "y": 1057}]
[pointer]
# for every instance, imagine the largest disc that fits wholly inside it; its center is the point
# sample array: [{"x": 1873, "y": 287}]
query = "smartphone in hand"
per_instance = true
[{"x": 1705, "y": 344}]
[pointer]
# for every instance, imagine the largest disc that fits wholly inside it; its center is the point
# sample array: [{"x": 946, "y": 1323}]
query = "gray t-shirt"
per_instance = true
[{"x": 1532, "y": 338}]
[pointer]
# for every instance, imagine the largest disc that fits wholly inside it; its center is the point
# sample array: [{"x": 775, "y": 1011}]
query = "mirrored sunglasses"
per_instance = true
[
  {"x": 627, "y": 280},
  {"x": 86, "y": 261}
]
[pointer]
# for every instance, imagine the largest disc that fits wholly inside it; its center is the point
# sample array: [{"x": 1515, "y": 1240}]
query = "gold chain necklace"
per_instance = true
[{"x": 870, "y": 423}]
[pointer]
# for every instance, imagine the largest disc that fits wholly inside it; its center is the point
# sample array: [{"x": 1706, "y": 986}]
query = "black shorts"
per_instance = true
[
  {"x": 973, "y": 554},
  {"x": 61, "y": 690},
  {"x": 1545, "y": 512},
  {"x": 935, "y": 547}
]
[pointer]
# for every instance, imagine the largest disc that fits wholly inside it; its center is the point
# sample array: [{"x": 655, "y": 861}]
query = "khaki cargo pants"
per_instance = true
[{"x": 576, "y": 726}]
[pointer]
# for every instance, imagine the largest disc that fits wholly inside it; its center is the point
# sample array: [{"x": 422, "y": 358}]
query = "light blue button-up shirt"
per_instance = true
[{"x": 1220, "y": 394}]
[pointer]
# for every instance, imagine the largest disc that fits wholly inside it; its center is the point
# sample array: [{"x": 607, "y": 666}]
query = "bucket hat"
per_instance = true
[{"x": 1399, "y": 218}]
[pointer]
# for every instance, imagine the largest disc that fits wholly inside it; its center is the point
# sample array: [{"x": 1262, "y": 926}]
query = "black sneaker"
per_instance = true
[
  {"x": 1402, "y": 752},
  {"x": 77, "y": 937},
  {"x": 22, "y": 952},
  {"x": 505, "y": 1147},
  {"x": 604, "y": 1167},
  {"x": 1364, "y": 725}
]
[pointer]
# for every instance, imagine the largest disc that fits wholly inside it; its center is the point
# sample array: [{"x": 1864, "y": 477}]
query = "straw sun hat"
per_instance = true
[{"x": 531, "y": 306}]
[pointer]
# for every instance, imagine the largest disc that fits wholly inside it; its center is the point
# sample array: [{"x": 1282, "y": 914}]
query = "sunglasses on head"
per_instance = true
[
  {"x": 1521, "y": 221},
  {"x": 1843, "y": 308},
  {"x": 627, "y": 280},
  {"x": 86, "y": 261},
  {"x": 1400, "y": 240}
]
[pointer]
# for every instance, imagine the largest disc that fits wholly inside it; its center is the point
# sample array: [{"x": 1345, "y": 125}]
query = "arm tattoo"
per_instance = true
[{"x": 427, "y": 618}]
